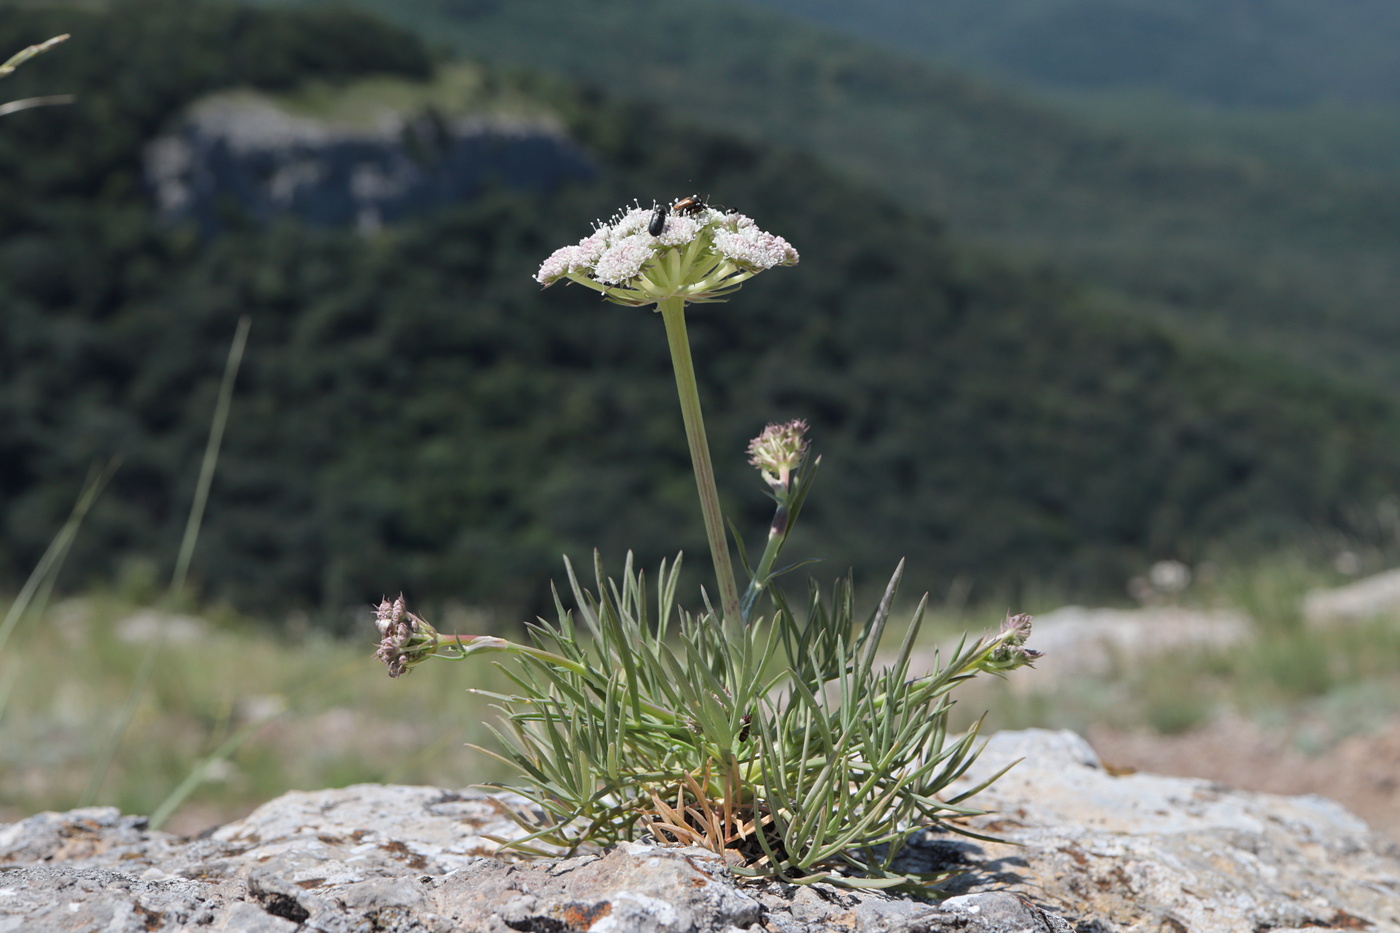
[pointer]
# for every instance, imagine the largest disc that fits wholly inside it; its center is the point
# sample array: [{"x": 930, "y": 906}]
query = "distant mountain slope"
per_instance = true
[
  {"x": 1289, "y": 261},
  {"x": 414, "y": 412},
  {"x": 1283, "y": 81},
  {"x": 1273, "y": 53}
]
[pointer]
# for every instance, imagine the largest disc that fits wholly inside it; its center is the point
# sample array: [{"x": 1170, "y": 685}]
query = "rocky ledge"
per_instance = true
[{"x": 1085, "y": 849}]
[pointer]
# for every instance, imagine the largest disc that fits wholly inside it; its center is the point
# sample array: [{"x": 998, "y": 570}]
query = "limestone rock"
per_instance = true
[
  {"x": 249, "y": 149},
  {"x": 1084, "y": 851},
  {"x": 1081, "y": 642},
  {"x": 1365, "y": 599},
  {"x": 1141, "y": 852}
]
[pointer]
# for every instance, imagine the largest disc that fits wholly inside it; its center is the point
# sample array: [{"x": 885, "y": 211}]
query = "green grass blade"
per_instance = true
[
  {"x": 40, "y": 579},
  {"x": 211, "y": 458}
]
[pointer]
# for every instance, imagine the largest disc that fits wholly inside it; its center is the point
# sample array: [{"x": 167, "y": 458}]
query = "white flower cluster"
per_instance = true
[{"x": 698, "y": 256}]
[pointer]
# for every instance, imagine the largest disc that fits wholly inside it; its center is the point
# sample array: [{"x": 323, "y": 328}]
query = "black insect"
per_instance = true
[{"x": 691, "y": 204}]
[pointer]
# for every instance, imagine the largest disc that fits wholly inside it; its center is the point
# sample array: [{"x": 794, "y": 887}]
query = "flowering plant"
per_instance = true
[{"x": 774, "y": 736}]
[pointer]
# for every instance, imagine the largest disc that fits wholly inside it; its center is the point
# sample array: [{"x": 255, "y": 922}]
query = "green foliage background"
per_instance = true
[
  {"x": 1279, "y": 81},
  {"x": 1299, "y": 261},
  {"x": 1278, "y": 53},
  {"x": 414, "y": 413}
]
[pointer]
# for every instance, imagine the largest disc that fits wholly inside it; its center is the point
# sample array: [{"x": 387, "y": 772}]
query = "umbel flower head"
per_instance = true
[{"x": 700, "y": 255}]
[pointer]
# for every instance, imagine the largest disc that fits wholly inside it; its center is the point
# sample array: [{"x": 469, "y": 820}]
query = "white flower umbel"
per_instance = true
[
  {"x": 697, "y": 254},
  {"x": 697, "y": 257}
]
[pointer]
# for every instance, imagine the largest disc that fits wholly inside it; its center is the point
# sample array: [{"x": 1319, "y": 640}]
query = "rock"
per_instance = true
[
  {"x": 1080, "y": 642},
  {"x": 1309, "y": 755},
  {"x": 1083, "y": 851},
  {"x": 1142, "y": 852},
  {"x": 1365, "y": 599},
  {"x": 253, "y": 150},
  {"x": 147, "y": 624}
]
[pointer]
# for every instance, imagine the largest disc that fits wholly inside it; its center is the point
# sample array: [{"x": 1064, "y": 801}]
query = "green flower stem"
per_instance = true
[
  {"x": 459, "y": 646},
  {"x": 762, "y": 574},
  {"x": 972, "y": 665},
  {"x": 673, "y": 313}
]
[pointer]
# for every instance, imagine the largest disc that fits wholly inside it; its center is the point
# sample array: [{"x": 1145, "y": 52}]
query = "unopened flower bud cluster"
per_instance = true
[
  {"x": 405, "y": 639},
  {"x": 1010, "y": 652},
  {"x": 778, "y": 452}
]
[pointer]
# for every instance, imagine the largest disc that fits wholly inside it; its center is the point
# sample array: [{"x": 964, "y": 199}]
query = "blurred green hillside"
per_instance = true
[
  {"x": 413, "y": 412},
  {"x": 1279, "y": 53},
  {"x": 1283, "y": 258},
  {"x": 1279, "y": 80}
]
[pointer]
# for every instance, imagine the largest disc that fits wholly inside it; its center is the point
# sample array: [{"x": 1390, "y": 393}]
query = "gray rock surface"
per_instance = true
[
  {"x": 1374, "y": 596},
  {"x": 247, "y": 149},
  {"x": 1080, "y": 642},
  {"x": 1142, "y": 852},
  {"x": 1084, "y": 851}
]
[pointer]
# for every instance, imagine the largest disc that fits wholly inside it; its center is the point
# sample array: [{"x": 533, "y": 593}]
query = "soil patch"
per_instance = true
[{"x": 1362, "y": 772}]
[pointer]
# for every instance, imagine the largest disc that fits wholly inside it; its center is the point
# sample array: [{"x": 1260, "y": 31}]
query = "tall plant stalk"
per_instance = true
[{"x": 673, "y": 313}]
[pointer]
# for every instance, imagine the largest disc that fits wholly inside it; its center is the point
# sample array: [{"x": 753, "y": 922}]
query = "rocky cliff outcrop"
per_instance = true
[
  {"x": 241, "y": 154},
  {"x": 1083, "y": 850}
]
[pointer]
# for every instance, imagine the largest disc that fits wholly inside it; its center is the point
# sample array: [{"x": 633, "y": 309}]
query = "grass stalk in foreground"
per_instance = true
[
  {"x": 182, "y": 563},
  {"x": 19, "y": 58},
  {"x": 34, "y": 595},
  {"x": 40, "y": 582}
]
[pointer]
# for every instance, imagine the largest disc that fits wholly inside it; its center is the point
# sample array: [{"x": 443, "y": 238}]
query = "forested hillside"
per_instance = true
[
  {"x": 1281, "y": 81},
  {"x": 1288, "y": 260},
  {"x": 1279, "y": 53},
  {"x": 413, "y": 412}
]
